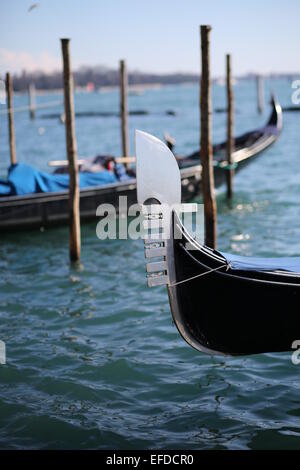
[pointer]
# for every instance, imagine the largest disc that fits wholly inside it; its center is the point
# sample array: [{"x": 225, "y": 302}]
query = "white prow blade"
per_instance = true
[
  {"x": 158, "y": 177},
  {"x": 157, "y": 171}
]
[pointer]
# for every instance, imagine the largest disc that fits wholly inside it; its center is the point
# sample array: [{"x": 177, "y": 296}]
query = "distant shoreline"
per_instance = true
[
  {"x": 108, "y": 88},
  {"x": 102, "y": 79},
  {"x": 140, "y": 88}
]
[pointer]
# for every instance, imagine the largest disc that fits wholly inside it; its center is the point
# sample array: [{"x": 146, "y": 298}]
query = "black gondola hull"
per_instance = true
[{"x": 229, "y": 313}]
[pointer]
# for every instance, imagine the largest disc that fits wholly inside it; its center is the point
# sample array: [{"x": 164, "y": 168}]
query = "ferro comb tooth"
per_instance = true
[
  {"x": 155, "y": 252},
  {"x": 156, "y": 267},
  {"x": 154, "y": 281}
]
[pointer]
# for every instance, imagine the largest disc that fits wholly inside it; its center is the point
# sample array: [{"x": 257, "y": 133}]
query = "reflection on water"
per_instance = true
[{"x": 93, "y": 359}]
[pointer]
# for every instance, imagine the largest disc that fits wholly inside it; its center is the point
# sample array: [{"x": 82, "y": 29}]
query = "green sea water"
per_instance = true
[{"x": 93, "y": 359}]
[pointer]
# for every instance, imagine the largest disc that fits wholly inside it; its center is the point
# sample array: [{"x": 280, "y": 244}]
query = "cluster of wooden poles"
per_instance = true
[
  {"x": 206, "y": 156},
  {"x": 71, "y": 145},
  {"x": 32, "y": 107}
]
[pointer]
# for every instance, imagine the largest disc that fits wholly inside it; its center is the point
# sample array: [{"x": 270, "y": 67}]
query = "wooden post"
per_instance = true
[
  {"x": 124, "y": 109},
  {"x": 230, "y": 127},
  {"x": 210, "y": 210},
  {"x": 260, "y": 93},
  {"x": 12, "y": 145},
  {"x": 31, "y": 94},
  {"x": 71, "y": 152}
]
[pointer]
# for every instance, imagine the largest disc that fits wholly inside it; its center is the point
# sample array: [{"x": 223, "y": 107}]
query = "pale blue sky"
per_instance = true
[{"x": 153, "y": 35}]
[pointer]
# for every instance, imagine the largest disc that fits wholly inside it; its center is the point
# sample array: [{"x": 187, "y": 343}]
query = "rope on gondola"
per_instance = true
[{"x": 226, "y": 265}]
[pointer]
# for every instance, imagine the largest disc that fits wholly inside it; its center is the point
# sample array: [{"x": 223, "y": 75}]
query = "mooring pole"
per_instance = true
[
  {"x": 31, "y": 94},
  {"x": 230, "y": 127},
  {"x": 124, "y": 109},
  {"x": 210, "y": 209},
  {"x": 11, "y": 130},
  {"x": 71, "y": 152},
  {"x": 260, "y": 94}
]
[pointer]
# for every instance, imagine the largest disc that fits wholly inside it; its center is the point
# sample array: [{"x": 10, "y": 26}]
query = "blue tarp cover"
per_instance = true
[
  {"x": 24, "y": 179},
  {"x": 243, "y": 263}
]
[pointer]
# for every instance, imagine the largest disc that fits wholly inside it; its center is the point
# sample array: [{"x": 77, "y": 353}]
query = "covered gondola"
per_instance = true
[{"x": 220, "y": 303}]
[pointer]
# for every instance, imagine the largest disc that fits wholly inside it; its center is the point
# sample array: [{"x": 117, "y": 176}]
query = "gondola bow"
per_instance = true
[{"x": 220, "y": 303}]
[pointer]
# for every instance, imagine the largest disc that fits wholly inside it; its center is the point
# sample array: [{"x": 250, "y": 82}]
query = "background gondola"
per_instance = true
[{"x": 49, "y": 209}]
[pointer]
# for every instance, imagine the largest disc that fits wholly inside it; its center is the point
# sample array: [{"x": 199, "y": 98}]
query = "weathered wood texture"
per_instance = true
[
  {"x": 31, "y": 95},
  {"x": 210, "y": 209},
  {"x": 260, "y": 94},
  {"x": 75, "y": 241},
  {"x": 124, "y": 109},
  {"x": 230, "y": 127},
  {"x": 11, "y": 130}
]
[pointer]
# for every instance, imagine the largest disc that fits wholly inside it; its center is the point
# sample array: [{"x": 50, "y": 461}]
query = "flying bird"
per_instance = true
[{"x": 33, "y": 6}]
